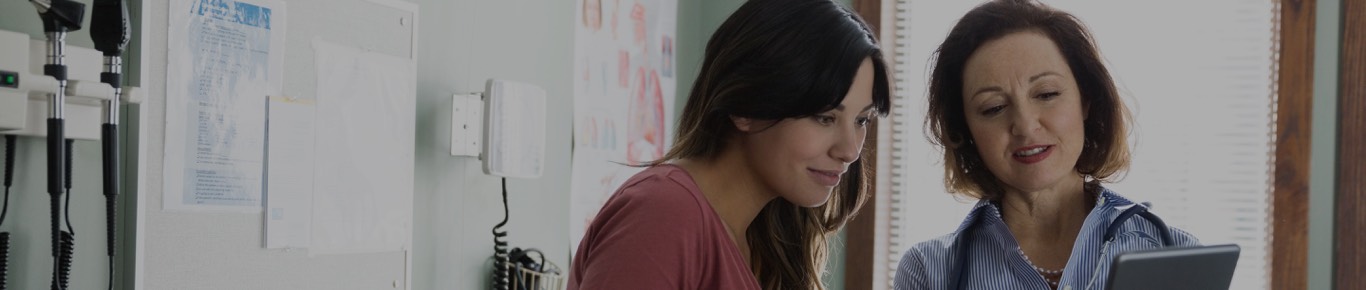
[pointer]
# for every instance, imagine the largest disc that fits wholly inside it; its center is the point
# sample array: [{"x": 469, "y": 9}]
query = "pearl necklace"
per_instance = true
[{"x": 1042, "y": 272}]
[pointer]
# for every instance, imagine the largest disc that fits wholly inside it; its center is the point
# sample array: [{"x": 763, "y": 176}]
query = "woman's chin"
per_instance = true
[{"x": 812, "y": 198}]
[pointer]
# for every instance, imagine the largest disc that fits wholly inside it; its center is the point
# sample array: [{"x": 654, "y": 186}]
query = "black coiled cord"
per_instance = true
[
  {"x": 66, "y": 245},
  {"x": 500, "y": 247},
  {"x": 67, "y": 211},
  {"x": 4, "y": 236},
  {"x": 4, "y": 260},
  {"x": 62, "y": 278}
]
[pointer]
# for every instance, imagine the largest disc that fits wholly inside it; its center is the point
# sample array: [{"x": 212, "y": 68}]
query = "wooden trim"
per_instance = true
[
  {"x": 859, "y": 233},
  {"x": 871, "y": 11},
  {"x": 1290, "y": 191},
  {"x": 1350, "y": 245}
]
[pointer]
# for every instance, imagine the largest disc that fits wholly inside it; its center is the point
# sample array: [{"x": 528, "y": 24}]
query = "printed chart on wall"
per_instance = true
[
  {"x": 224, "y": 57},
  {"x": 624, "y": 83}
]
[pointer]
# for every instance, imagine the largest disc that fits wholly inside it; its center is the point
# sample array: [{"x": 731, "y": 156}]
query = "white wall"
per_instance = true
[
  {"x": 462, "y": 44},
  {"x": 203, "y": 250}
]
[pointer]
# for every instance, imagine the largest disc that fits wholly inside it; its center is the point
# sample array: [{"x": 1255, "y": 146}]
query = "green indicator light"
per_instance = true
[{"x": 9, "y": 79}]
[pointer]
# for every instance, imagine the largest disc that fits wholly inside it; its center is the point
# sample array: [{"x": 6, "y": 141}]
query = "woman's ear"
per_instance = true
[
  {"x": 743, "y": 124},
  {"x": 1085, "y": 109}
]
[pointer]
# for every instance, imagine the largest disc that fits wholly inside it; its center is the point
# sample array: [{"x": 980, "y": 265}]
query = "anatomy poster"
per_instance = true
[{"x": 624, "y": 84}]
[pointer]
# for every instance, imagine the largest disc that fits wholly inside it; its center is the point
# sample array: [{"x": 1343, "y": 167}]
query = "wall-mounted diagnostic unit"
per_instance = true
[
  {"x": 504, "y": 126},
  {"x": 24, "y": 89}
]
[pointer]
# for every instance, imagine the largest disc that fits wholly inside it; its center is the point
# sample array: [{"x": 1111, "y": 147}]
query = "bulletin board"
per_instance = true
[{"x": 224, "y": 249}]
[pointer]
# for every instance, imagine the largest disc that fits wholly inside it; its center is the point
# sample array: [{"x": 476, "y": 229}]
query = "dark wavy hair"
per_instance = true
[
  {"x": 773, "y": 60},
  {"x": 1105, "y": 151}
]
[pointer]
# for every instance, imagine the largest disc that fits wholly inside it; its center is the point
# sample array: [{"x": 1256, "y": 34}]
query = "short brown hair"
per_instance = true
[{"x": 1105, "y": 151}]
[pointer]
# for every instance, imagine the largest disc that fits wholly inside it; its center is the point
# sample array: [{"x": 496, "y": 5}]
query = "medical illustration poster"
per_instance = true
[
  {"x": 624, "y": 84},
  {"x": 223, "y": 58}
]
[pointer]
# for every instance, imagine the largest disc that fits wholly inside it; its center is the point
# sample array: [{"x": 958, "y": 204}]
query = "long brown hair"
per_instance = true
[
  {"x": 1105, "y": 151},
  {"x": 773, "y": 60}
]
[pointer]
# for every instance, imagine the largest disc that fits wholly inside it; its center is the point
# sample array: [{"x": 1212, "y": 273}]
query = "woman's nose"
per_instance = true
[
  {"x": 1023, "y": 120},
  {"x": 848, "y": 146}
]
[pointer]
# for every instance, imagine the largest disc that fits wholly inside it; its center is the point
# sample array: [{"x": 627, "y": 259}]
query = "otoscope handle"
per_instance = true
[
  {"x": 56, "y": 157},
  {"x": 9, "y": 159},
  {"x": 56, "y": 175},
  {"x": 110, "y": 147}
]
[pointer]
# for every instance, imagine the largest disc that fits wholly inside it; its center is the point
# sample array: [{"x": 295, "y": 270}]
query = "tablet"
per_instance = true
[{"x": 1175, "y": 268}]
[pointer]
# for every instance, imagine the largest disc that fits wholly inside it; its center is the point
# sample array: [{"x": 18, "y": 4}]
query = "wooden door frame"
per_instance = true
[
  {"x": 859, "y": 233},
  {"x": 1294, "y": 117},
  {"x": 1350, "y": 202}
]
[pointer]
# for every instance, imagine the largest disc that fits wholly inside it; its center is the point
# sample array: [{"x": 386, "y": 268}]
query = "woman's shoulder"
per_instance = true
[
  {"x": 660, "y": 215},
  {"x": 663, "y": 194},
  {"x": 1145, "y": 227},
  {"x": 940, "y": 244},
  {"x": 924, "y": 264},
  {"x": 929, "y": 252},
  {"x": 662, "y": 186},
  {"x": 1183, "y": 238}
]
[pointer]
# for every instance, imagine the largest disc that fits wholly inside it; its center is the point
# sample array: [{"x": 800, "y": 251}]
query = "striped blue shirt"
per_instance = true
[{"x": 995, "y": 262}]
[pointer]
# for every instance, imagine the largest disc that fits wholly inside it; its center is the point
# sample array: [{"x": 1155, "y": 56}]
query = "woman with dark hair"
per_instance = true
[
  {"x": 1030, "y": 124},
  {"x": 765, "y": 167}
]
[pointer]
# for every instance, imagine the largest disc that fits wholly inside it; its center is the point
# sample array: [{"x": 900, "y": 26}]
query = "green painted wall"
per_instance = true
[{"x": 1323, "y": 143}]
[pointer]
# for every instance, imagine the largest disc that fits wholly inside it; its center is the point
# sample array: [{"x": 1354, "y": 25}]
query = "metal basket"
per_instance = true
[{"x": 522, "y": 278}]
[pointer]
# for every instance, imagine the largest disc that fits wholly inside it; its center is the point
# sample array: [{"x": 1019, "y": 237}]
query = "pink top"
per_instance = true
[{"x": 659, "y": 232}]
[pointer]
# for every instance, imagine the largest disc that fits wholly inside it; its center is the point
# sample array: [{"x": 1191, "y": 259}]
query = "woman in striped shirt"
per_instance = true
[{"x": 1030, "y": 124}]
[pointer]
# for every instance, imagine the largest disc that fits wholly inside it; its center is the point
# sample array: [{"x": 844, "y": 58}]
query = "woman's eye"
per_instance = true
[
  {"x": 863, "y": 121},
  {"x": 825, "y": 120},
  {"x": 1049, "y": 95},
  {"x": 993, "y": 110}
]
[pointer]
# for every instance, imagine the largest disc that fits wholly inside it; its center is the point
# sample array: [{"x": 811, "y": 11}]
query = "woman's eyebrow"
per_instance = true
[
  {"x": 1043, "y": 74},
  {"x": 1031, "y": 79}
]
